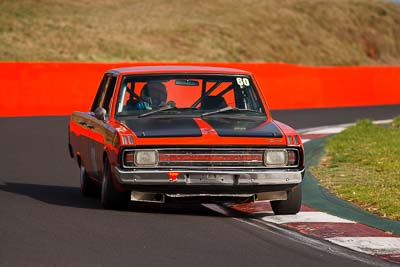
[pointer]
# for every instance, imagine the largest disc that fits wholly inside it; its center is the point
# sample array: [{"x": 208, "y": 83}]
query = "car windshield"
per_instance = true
[{"x": 188, "y": 94}]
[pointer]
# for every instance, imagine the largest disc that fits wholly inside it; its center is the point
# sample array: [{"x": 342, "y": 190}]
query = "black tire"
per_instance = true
[
  {"x": 88, "y": 186},
  {"x": 290, "y": 206},
  {"x": 111, "y": 198}
]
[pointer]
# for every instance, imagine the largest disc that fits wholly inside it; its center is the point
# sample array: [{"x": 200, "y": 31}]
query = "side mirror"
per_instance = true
[
  {"x": 100, "y": 113},
  {"x": 171, "y": 104}
]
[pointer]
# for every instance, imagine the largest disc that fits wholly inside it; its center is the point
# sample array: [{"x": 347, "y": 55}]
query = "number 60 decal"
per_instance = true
[{"x": 242, "y": 82}]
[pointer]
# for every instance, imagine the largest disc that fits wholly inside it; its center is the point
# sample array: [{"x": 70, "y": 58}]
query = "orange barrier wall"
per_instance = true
[{"x": 60, "y": 88}]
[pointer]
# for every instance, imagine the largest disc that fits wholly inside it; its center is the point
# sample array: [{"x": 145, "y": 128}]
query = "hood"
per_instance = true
[
  {"x": 190, "y": 127},
  {"x": 163, "y": 127}
]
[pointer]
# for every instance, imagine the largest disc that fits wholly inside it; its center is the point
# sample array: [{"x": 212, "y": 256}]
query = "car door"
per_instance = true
[
  {"x": 80, "y": 135},
  {"x": 80, "y": 138},
  {"x": 99, "y": 131}
]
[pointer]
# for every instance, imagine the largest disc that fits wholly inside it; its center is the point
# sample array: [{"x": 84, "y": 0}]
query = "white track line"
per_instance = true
[
  {"x": 305, "y": 140},
  {"x": 322, "y": 129},
  {"x": 383, "y": 121},
  {"x": 329, "y": 130},
  {"x": 369, "y": 245},
  {"x": 305, "y": 217}
]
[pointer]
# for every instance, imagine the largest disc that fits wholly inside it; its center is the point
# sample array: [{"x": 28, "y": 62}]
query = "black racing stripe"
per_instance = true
[
  {"x": 244, "y": 127},
  {"x": 163, "y": 127}
]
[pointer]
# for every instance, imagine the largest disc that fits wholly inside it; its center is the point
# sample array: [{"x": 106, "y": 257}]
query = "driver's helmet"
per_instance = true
[{"x": 155, "y": 93}]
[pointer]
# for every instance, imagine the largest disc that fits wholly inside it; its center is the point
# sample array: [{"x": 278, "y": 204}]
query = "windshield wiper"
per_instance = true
[
  {"x": 156, "y": 111},
  {"x": 227, "y": 109},
  {"x": 162, "y": 109}
]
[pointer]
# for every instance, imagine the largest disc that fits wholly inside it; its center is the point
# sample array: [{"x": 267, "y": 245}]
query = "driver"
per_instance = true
[{"x": 155, "y": 93}]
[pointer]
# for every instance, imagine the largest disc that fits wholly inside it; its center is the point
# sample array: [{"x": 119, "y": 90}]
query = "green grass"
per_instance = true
[
  {"x": 396, "y": 122},
  {"x": 362, "y": 165},
  {"x": 314, "y": 32}
]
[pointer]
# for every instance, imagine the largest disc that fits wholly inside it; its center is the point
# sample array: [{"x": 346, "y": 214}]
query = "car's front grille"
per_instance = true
[{"x": 213, "y": 157}]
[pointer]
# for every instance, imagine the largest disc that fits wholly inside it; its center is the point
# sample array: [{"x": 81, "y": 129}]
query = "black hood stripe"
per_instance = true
[
  {"x": 244, "y": 127},
  {"x": 163, "y": 127}
]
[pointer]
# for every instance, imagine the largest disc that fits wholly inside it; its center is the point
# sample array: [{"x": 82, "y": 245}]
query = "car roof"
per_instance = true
[{"x": 176, "y": 69}]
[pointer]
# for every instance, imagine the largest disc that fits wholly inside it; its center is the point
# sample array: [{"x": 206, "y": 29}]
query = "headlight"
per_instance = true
[
  {"x": 146, "y": 158},
  {"x": 140, "y": 158},
  {"x": 276, "y": 158}
]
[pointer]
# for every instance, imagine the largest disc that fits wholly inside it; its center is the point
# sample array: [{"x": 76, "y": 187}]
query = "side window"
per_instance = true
[
  {"x": 105, "y": 93},
  {"x": 99, "y": 93},
  {"x": 246, "y": 98},
  {"x": 109, "y": 90},
  {"x": 225, "y": 90}
]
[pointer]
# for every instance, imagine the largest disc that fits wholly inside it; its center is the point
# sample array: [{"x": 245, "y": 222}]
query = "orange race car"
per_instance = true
[{"x": 184, "y": 133}]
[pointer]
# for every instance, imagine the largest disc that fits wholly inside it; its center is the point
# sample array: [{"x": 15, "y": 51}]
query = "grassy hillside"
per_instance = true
[{"x": 315, "y": 32}]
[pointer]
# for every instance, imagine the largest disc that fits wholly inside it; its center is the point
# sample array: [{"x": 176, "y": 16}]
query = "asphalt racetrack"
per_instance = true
[{"x": 44, "y": 221}]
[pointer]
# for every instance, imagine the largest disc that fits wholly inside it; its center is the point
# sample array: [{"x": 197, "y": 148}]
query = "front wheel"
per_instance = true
[
  {"x": 88, "y": 186},
  {"x": 110, "y": 197},
  {"x": 290, "y": 206}
]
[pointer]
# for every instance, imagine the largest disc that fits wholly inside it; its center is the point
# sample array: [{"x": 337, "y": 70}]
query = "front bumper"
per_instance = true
[{"x": 209, "y": 177}]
